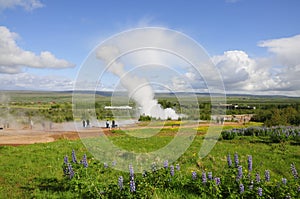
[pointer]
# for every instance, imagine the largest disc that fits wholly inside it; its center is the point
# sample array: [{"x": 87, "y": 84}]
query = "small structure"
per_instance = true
[
  {"x": 243, "y": 118},
  {"x": 118, "y": 107}
]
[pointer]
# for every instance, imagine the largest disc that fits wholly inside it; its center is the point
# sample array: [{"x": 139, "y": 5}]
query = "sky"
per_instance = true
[{"x": 254, "y": 44}]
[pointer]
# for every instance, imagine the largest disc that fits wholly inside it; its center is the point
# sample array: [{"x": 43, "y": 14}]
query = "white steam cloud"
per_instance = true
[{"x": 138, "y": 88}]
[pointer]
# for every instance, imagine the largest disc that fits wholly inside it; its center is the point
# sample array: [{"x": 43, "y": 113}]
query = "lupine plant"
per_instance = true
[
  {"x": 276, "y": 134},
  {"x": 80, "y": 178}
]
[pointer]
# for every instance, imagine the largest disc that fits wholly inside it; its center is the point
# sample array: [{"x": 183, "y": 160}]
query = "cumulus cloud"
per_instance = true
[
  {"x": 286, "y": 50},
  {"x": 244, "y": 74},
  {"x": 13, "y": 58},
  {"x": 28, "y": 5},
  {"x": 276, "y": 74},
  {"x": 26, "y": 81}
]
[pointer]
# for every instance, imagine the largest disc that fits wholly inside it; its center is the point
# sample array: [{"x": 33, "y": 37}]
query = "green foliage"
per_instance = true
[
  {"x": 144, "y": 118},
  {"x": 228, "y": 135},
  {"x": 169, "y": 178},
  {"x": 288, "y": 115}
]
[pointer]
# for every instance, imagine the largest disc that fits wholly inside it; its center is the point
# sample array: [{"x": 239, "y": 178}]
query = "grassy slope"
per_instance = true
[{"x": 21, "y": 167}]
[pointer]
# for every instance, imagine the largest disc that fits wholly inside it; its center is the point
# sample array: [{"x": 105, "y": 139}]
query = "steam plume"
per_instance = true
[{"x": 139, "y": 88}]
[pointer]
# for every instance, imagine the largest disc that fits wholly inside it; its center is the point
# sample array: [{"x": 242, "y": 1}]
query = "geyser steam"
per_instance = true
[{"x": 139, "y": 88}]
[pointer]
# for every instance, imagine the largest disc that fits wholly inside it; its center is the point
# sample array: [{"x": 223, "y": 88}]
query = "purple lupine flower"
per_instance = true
[
  {"x": 84, "y": 161},
  {"x": 284, "y": 181},
  {"x": 236, "y": 159},
  {"x": 218, "y": 181},
  {"x": 70, "y": 171},
  {"x": 131, "y": 172},
  {"x": 132, "y": 186},
  {"x": 242, "y": 188},
  {"x": 294, "y": 171},
  {"x": 120, "y": 182},
  {"x": 209, "y": 175},
  {"x": 240, "y": 173},
  {"x": 74, "y": 159},
  {"x": 267, "y": 175},
  {"x": 257, "y": 177},
  {"x": 172, "y": 170},
  {"x": 66, "y": 160},
  {"x": 166, "y": 164},
  {"x": 105, "y": 165},
  {"x": 177, "y": 167},
  {"x": 229, "y": 160},
  {"x": 204, "y": 179},
  {"x": 259, "y": 191},
  {"x": 249, "y": 163},
  {"x": 194, "y": 175}
]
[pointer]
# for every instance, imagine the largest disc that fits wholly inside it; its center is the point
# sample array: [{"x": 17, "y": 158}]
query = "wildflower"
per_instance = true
[
  {"x": 132, "y": 186},
  {"x": 66, "y": 161},
  {"x": 177, "y": 167},
  {"x": 267, "y": 175},
  {"x": 172, "y": 170},
  {"x": 144, "y": 174},
  {"x": 204, "y": 179},
  {"x": 194, "y": 175},
  {"x": 105, "y": 165},
  {"x": 284, "y": 181},
  {"x": 250, "y": 187},
  {"x": 257, "y": 177},
  {"x": 229, "y": 160},
  {"x": 84, "y": 161},
  {"x": 74, "y": 159},
  {"x": 153, "y": 167},
  {"x": 70, "y": 171},
  {"x": 249, "y": 163},
  {"x": 166, "y": 164},
  {"x": 120, "y": 182},
  {"x": 131, "y": 172},
  {"x": 259, "y": 191},
  {"x": 288, "y": 196},
  {"x": 242, "y": 188},
  {"x": 218, "y": 181},
  {"x": 294, "y": 171},
  {"x": 114, "y": 163},
  {"x": 236, "y": 160},
  {"x": 240, "y": 172},
  {"x": 209, "y": 175}
]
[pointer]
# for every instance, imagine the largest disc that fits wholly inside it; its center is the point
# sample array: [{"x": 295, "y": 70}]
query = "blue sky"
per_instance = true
[{"x": 255, "y": 38}]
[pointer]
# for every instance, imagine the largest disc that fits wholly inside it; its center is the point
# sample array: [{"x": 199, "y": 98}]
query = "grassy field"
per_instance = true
[{"x": 35, "y": 171}]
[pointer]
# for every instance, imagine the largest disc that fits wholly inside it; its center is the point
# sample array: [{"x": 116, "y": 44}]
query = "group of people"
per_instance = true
[
  {"x": 113, "y": 124},
  {"x": 86, "y": 123}
]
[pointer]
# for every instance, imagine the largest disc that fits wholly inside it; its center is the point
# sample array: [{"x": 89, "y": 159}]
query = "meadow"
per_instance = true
[
  {"x": 41, "y": 170},
  {"x": 241, "y": 165}
]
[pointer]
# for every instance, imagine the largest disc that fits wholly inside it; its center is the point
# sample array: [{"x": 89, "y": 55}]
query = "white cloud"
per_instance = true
[
  {"x": 275, "y": 74},
  {"x": 26, "y": 81},
  {"x": 244, "y": 74},
  {"x": 286, "y": 50},
  {"x": 28, "y": 5},
  {"x": 13, "y": 58}
]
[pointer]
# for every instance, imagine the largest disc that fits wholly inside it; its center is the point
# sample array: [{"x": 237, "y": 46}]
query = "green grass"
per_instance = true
[{"x": 36, "y": 170}]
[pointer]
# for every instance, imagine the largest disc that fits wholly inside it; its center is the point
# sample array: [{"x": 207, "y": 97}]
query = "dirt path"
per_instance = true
[{"x": 16, "y": 137}]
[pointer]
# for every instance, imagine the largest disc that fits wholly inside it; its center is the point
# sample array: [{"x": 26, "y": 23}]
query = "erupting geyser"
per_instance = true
[{"x": 138, "y": 88}]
